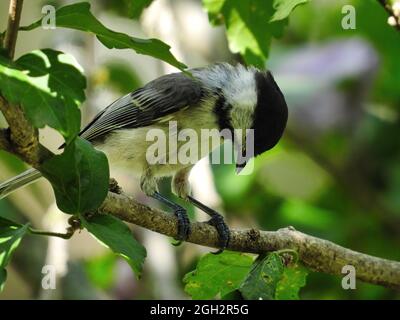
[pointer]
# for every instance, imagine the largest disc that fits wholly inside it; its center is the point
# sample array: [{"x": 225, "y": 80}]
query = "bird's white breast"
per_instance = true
[{"x": 127, "y": 148}]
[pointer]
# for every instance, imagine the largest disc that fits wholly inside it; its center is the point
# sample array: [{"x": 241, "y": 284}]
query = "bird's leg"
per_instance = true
[
  {"x": 148, "y": 185},
  {"x": 180, "y": 213},
  {"x": 217, "y": 220},
  {"x": 181, "y": 187}
]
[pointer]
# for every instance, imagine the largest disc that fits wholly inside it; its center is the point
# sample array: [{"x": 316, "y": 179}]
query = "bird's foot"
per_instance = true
[
  {"x": 216, "y": 221},
  {"x": 183, "y": 225},
  {"x": 224, "y": 233},
  {"x": 180, "y": 213}
]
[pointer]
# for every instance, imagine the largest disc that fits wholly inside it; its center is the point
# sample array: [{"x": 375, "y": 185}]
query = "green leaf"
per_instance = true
[
  {"x": 79, "y": 177},
  {"x": 65, "y": 75},
  {"x": 217, "y": 274},
  {"x": 251, "y": 24},
  {"x": 137, "y": 7},
  {"x": 11, "y": 234},
  {"x": 284, "y": 8},
  {"x": 48, "y": 85},
  {"x": 116, "y": 235},
  {"x": 292, "y": 280},
  {"x": 78, "y": 16},
  {"x": 263, "y": 278}
]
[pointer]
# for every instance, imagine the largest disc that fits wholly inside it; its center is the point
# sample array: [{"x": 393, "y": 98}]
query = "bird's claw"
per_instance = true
[
  {"x": 183, "y": 225},
  {"x": 223, "y": 232}
]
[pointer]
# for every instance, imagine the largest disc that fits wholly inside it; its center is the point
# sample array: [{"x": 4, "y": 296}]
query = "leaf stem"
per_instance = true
[
  {"x": 74, "y": 224},
  {"x": 65, "y": 236}
]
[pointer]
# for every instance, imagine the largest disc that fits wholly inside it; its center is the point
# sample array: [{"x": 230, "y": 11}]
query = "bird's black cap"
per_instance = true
[{"x": 271, "y": 113}]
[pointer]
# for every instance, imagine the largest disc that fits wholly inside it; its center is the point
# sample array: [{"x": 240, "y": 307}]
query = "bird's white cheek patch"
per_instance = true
[{"x": 241, "y": 90}]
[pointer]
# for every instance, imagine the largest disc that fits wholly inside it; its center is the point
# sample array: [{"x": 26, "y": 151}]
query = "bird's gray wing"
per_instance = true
[{"x": 159, "y": 98}]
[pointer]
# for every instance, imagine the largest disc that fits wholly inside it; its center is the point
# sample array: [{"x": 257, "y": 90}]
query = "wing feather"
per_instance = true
[{"x": 143, "y": 107}]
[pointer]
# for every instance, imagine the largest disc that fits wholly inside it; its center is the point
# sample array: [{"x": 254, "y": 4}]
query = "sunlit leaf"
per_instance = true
[
  {"x": 292, "y": 280},
  {"x": 65, "y": 76},
  {"x": 79, "y": 17},
  {"x": 251, "y": 25},
  {"x": 49, "y": 86},
  {"x": 284, "y": 8},
  {"x": 217, "y": 274}
]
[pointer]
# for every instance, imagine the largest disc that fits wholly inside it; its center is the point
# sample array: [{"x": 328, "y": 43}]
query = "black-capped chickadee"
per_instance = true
[{"x": 221, "y": 97}]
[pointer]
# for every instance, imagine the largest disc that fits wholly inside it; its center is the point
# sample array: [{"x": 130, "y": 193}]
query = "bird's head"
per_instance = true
[{"x": 257, "y": 107}]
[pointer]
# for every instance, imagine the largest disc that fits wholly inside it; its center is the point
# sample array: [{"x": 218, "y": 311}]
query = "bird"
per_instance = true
[{"x": 221, "y": 97}]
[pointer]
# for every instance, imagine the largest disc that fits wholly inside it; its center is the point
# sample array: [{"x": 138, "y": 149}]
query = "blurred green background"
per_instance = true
[{"x": 335, "y": 174}]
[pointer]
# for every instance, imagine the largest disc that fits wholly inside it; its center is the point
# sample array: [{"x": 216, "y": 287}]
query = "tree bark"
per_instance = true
[
  {"x": 14, "y": 16},
  {"x": 317, "y": 254}
]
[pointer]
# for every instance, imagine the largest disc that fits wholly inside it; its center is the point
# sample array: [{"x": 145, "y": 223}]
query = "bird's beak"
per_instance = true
[
  {"x": 240, "y": 167},
  {"x": 241, "y": 160}
]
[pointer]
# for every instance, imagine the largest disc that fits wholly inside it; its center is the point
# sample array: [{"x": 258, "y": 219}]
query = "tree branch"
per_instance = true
[
  {"x": 14, "y": 16},
  {"x": 317, "y": 254},
  {"x": 4, "y": 141},
  {"x": 394, "y": 12},
  {"x": 23, "y": 137}
]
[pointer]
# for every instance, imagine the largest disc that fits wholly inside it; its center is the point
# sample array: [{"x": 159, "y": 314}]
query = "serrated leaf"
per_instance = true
[
  {"x": 217, "y": 274},
  {"x": 251, "y": 25},
  {"x": 11, "y": 234},
  {"x": 116, "y": 235},
  {"x": 262, "y": 280},
  {"x": 44, "y": 90},
  {"x": 79, "y": 177},
  {"x": 66, "y": 77},
  {"x": 79, "y": 17},
  {"x": 292, "y": 280}
]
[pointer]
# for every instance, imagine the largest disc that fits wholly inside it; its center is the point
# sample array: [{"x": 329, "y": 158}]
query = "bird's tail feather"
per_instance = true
[{"x": 18, "y": 181}]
